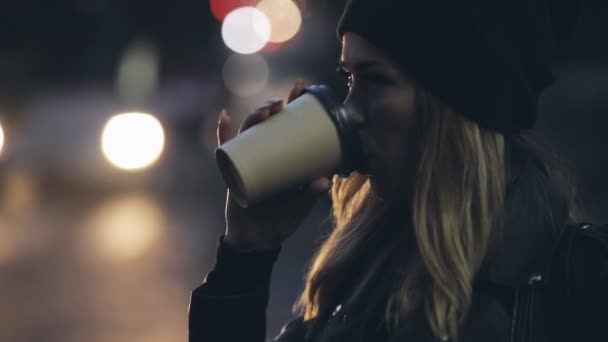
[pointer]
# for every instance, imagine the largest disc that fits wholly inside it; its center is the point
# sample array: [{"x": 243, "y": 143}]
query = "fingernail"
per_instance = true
[{"x": 266, "y": 112}]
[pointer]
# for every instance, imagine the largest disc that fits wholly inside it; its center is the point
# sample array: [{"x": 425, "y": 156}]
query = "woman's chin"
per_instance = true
[
  {"x": 385, "y": 191},
  {"x": 378, "y": 187}
]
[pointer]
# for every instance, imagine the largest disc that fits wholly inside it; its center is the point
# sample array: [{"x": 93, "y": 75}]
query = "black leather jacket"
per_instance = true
[{"x": 546, "y": 280}]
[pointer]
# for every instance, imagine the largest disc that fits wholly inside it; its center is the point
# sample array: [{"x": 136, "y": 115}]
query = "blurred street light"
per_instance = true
[
  {"x": 284, "y": 16},
  {"x": 126, "y": 227},
  {"x": 246, "y": 30},
  {"x": 133, "y": 141},
  {"x": 246, "y": 75},
  {"x": 138, "y": 72}
]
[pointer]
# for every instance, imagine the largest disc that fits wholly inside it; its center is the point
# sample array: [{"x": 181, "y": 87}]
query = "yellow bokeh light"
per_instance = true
[
  {"x": 133, "y": 141},
  {"x": 126, "y": 227},
  {"x": 284, "y": 16}
]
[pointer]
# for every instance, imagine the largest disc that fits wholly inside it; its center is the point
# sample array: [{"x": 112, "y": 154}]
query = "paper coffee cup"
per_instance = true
[{"x": 309, "y": 138}]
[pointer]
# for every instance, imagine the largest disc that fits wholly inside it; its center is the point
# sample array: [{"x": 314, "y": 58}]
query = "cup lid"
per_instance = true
[{"x": 347, "y": 123}]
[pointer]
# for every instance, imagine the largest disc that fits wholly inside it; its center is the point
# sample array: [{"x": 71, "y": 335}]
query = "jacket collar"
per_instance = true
[{"x": 535, "y": 213}]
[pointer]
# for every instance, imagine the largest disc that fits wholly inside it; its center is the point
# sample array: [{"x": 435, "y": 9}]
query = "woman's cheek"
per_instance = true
[{"x": 388, "y": 112}]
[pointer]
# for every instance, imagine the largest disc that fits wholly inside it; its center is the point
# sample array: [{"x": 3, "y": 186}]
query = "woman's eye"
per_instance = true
[
  {"x": 349, "y": 80},
  {"x": 347, "y": 75}
]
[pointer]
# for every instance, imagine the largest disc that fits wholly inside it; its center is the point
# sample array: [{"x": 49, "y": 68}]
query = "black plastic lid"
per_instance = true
[{"x": 346, "y": 124}]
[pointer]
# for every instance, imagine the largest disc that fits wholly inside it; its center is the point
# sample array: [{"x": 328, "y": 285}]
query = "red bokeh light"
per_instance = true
[
  {"x": 221, "y": 8},
  {"x": 272, "y": 47}
]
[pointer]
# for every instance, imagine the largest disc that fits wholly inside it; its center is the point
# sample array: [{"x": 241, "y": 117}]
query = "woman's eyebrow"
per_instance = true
[{"x": 360, "y": 67}]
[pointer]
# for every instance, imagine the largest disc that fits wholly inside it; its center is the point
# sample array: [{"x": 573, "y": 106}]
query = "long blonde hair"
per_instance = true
[{"x": 431, "y": 258}]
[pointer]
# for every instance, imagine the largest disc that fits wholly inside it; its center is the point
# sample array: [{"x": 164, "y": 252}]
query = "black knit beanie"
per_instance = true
[{"x": 488, "y": 59}]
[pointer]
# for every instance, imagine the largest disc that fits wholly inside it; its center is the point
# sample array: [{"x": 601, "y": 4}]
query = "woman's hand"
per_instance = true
[{"x": 266, "y": 224}]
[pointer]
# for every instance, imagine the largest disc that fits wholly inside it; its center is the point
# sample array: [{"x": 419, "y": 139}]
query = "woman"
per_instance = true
[{"x": 439, "y": 236}]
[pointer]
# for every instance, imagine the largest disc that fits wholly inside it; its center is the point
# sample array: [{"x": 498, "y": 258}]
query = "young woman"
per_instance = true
[{"x": 450, "y": 229}]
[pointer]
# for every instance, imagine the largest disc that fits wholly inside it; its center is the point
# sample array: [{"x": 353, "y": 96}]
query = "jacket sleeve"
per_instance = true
[
  {"x": 589, "y": 257},
  {"x": 230, "y": 305}
]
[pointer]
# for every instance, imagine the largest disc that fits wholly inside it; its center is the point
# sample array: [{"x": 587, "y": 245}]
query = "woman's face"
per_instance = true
[{"x": 383, "y": 93}]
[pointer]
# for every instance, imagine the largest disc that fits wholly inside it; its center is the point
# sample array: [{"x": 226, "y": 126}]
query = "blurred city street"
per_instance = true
[{"x": 111, "y": 202}]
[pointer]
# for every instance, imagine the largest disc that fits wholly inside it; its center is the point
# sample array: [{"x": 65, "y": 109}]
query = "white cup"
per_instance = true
[{"x": 315, "y": 135}]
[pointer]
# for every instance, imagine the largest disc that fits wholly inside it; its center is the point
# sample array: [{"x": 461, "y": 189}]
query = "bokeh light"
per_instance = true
[
  {"x": 284, "y": 16},
  {"x": 246, "y": 75},
  {"x": 18, "y": 198},
  {"x": 221, "y": 8},
  {"x": 272, "y": 47},
  {"x": 1, "y": 138},
  {"x": 246, "y": 30},
  {"x": 133, "y": 141},
  {"x": 126, "y": 227},
  {"x": 138, "y": 72},
  {"x": 19, "y": 192}
]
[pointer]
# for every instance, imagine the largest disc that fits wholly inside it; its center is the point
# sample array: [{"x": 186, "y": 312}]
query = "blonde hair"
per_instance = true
[{"x": 430, "y": 260}]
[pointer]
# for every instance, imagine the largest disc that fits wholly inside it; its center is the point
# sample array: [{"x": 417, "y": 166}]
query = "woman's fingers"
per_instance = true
[
  {"x": 259, "y": 115},
  {"x": 262, "y": 113},
  {"x": 274, "y": 105},
  {"x": 271, "y": 106},
  {"x": 296, "y": 91},
  {"x": 224, "y": 125}
]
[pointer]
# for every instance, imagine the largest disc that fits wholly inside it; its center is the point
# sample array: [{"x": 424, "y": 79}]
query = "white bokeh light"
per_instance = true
[
  {"x": 246, "y": 30},
  {"x": 138, "y": 72},
  {"x": 133, "y": 141},
  {"x": 284, "y": 16},
  {"x": 246, "y": 75},
  {"x": 126, "y": 227}
]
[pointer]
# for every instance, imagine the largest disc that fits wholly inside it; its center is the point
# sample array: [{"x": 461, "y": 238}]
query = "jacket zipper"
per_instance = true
[
  {"x": 530, "y": 316},
  {"x": 522, "y": 312},
  {"x": 514, "y": 321}
]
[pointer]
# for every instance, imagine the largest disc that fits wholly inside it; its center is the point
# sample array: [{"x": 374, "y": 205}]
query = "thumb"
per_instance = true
[
  {"x": 310, "y": 193},
  {"x": 296, "y": 91},
  {"x": 224, "y": 125}
]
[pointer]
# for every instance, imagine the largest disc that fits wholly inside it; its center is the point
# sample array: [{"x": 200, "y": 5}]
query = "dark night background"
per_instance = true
[{"x": 92, "y": 253}]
